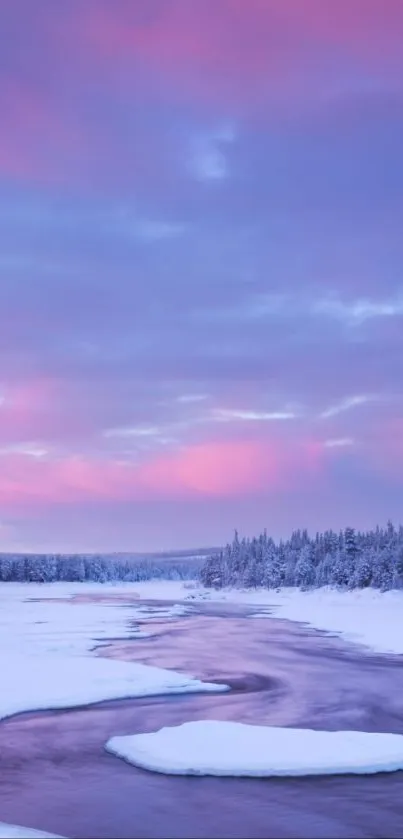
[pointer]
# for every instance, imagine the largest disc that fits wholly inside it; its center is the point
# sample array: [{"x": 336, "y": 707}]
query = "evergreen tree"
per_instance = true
[
  {"x": 363, "y": 572},
  {"x": 349, "y": 559},
  {"x": 305, "y": 568}
]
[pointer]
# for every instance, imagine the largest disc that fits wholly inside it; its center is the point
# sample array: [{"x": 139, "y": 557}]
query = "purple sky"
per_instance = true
[{"x": 201, "y": 269}]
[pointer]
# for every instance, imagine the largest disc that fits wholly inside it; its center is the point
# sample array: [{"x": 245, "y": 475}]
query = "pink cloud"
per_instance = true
[
  {"x": 214, "y": 469},
  {"x": 234, "y": 468},
  {"x": 47, "y": 410},
  {"x": 237, "y": 47},
  {"x": 224, "y": 53},
  {"x": 31, "y": 481},
  {"x": 37, "y": 133},
  {"x": 368, "y": 29},
  {"x": 25, "y": 409},
  {"x": 208, "y": 469}
]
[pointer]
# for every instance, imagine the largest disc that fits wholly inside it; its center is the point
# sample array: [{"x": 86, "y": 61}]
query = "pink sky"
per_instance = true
[{"x": 201, "y": 294}]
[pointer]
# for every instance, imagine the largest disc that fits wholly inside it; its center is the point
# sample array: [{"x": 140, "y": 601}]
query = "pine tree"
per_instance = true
[
  {"x": 363, "y": 572},
  {"x": 6, "y": 568},
  {"x": 323, "y": 574},
  {"x": 384, "y": 571},
  {"x": 305, "y": 568}
]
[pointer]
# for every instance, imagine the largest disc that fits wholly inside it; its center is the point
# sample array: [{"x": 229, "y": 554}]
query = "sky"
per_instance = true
[{"x": 201, "y": 270}]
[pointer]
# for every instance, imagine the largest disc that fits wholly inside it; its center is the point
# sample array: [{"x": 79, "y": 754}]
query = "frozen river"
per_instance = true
[{"x": 56, "y": 775}]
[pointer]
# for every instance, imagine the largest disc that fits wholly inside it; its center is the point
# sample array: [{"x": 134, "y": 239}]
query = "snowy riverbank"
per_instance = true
[
  {"x": 46, "y": 657},
  {"x": 366, "y": 616},
  {"x": 363, "y": 616},
  {"x": 48, "y": 634}
]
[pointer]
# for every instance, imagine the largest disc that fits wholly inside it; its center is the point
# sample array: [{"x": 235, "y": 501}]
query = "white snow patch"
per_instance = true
[
  {"x": 210, "y": 747},
  {"x": 147, "y": 590},
  {"x": 366, "y": 617},
  {"x": 45, "y": 652},
  {"x": 15, "y": 831}
]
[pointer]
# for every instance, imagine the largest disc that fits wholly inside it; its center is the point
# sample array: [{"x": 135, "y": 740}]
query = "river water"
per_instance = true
[{"x": 56, "y": 776}]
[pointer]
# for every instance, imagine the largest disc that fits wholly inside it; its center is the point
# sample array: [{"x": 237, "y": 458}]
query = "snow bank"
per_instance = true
[
  {"x": 14, "y": 831},
  {"x": 364, "y": 616},
  {"x": 148, "y": 590},
  {"x": 46, "y": 660},
  {"x": 210, "y": 747},
  {"x": 34, "y": 684}
]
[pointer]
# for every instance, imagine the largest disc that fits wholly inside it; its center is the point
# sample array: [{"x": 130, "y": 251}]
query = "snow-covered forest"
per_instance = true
[
  {"x": 102, "y": 568},
  {"x": 347, "y": 559}
]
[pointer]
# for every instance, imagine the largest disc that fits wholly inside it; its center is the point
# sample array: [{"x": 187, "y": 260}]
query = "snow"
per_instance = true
[
  {"x": 15, "y": 831},
  {"x": 210, "y": 747},
  {"x": 261, "y": 615},
  {"x": 147, "y": 590},
  {"x": 363, "y": 616},
  {"x": 366, "y": 617},
  {"x": 46, "y": 651}
]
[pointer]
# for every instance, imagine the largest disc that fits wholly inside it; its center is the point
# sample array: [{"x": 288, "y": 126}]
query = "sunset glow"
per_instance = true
[{"x": 201, "y": 253}]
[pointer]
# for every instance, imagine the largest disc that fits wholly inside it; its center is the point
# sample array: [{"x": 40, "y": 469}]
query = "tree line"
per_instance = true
[
  {"x": 347, "y": 559},
  {"x": 99, "y": 568}
]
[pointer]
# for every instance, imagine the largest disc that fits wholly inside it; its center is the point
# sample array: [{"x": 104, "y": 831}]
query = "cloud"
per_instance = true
[
  {"x": 232, "y": 468},
  {"x": 23, "y": 408},
  {"x": 215, "y": 468},
  {"x": 208, "y": 160},
  {"x": 133, "y": 431},
  {"x": 232, "y": 50},
  {"x": 339, "y": 442},
  {"x": 200, "y": 206},
  {"x": 198, "y": 61},
  {"x": 357, "y": 312},
  {"x": 294, "y": 306},
  {"x": 188, "y": 398},
  {"x": 212, "y": 469},
  {"x": 28, "y": 449},
  {"x": 230, "y": 415},
  {"x": 209, "y": 165},
  {"x": 346, "y": 405}
]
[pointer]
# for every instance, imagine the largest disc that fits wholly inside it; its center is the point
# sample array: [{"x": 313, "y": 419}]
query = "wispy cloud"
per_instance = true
[
  {"x": 339, "y": 442},
  {"x": 356, "y": 312},
  {"x": 293, "y": 306},
  {"x": 346, "y": 405},
  {"x": 133, "y": 431},
  {"x": 27, "y": 449},
  {"x": 188, "y": 398},
  {"x": 208, "y": 160},
  {"x": 231, "y": 415}
]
